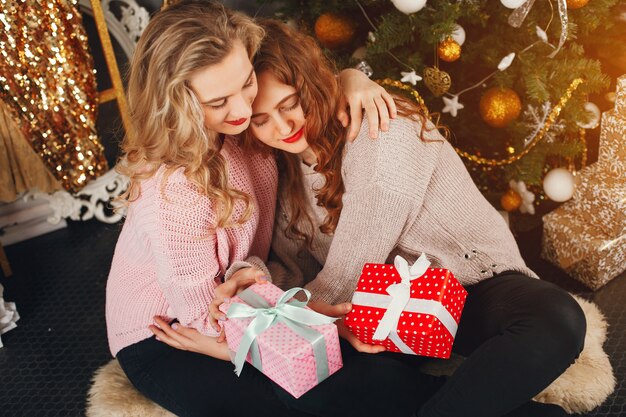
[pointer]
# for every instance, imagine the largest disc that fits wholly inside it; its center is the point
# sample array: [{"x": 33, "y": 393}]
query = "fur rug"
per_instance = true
[
  {"x": 112, "y": 395},
  {"x": 581, "y": 388},
  {"x": 590, "y": 380}
]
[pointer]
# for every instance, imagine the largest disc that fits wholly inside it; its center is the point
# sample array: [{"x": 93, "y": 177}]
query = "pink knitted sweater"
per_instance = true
[{"x": 168, "y": 263}]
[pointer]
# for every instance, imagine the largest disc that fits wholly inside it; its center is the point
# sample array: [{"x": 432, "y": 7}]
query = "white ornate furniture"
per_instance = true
[{"x": 36, "y": 213}]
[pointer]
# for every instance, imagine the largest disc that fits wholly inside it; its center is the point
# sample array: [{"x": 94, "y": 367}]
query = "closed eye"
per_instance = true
[
  {"x": 259, "y": 123},
  {"x": 250, "y": 82},
  {"x": 218, "y": 106},
  {"x": 291, "y": 104}
]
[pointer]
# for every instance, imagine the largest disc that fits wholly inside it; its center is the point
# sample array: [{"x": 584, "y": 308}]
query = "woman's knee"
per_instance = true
[{"x": 564, "y": 322}]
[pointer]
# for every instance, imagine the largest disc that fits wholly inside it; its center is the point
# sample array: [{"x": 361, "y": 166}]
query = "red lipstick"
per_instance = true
[
  {"x": 295, "y": 137},
  {"x": 236, "y": 122}
]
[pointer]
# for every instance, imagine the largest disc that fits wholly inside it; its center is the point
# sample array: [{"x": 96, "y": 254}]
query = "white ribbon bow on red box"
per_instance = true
[{"x": 399, "y": 300}]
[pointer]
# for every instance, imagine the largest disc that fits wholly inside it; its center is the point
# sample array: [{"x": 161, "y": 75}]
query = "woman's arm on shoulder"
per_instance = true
[
  {"x": 359, "y": 92},
  {"x": 399, "y": 160}
]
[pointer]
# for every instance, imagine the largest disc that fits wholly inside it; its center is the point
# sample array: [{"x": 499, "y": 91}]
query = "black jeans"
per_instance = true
[
  {"x": 518, "y": 334},
  {"x": 368, "y": 385},
  {"x": 194, "y": 385}
]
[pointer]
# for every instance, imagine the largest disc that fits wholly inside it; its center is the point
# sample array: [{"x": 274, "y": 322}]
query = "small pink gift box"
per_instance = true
[{"x": 291, "y": 344}]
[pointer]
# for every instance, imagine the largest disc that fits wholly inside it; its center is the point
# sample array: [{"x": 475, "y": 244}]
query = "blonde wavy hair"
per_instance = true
[{"x": 167, "y": 118}]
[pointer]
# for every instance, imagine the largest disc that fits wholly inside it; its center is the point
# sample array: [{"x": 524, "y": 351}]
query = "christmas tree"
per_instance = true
[{"x": 509, "y": 78}]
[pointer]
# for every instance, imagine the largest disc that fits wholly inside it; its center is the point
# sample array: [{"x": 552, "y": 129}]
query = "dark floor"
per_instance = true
[{"x": 59, "y": 285}]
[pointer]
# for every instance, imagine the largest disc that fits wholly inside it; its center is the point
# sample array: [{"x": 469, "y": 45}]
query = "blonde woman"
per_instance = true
[{"x": 199, "y": 207}]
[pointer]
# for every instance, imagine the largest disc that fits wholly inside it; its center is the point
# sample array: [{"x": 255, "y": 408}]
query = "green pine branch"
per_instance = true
[{"x": 403, "y": 41}]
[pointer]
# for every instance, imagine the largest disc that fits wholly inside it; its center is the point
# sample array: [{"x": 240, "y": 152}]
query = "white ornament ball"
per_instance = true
[
  {"x": 292, "y": 23},
  {"x": 559, "y": 185},
  {"x": 409, "y": 6},
  {"x": 458, "y": 35},
  {"x": 594, "y": 116},
  {"x": 512, "y": 4}
]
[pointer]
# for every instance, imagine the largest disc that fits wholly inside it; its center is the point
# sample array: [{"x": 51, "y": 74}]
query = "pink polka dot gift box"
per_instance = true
[
  {"x": 291, "y": 344},
  {"x": 412, "y": 309}
]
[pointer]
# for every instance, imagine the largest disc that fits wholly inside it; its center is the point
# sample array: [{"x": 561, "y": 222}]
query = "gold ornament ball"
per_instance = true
[
  {"x": 334, "y": 31},
  {"x": 510, "y": 201},
  {"x": 449, "y": 50},
  {"x": 499, "y": 106},
  {"x": 576, "y": 4}
]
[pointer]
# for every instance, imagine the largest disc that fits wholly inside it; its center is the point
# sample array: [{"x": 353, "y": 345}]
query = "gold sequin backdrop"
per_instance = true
[{"x": 47, "y": 80}]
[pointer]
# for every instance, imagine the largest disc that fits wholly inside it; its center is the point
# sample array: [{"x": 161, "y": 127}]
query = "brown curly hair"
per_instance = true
[{"x": 295, "y": 59}]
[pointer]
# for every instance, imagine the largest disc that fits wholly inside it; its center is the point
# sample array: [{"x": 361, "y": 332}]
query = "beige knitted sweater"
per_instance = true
[{"x": 403, "y": 196}]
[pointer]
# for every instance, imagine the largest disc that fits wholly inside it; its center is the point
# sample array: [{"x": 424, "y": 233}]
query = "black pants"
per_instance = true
[
  {"x": 194, "y": 385},
  {"x": 368, "y": 386},
  {"x": 518, "y": 334},
  {"x": 189, "y": 384}
]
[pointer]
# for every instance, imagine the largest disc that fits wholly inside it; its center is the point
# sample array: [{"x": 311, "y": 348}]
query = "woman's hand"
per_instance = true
[
  {"x": 340, "y": 310},
  {"x": 359, "y": 92},
  {"x": 185, "y": 338},
  {"x": 238, "y": 282}
]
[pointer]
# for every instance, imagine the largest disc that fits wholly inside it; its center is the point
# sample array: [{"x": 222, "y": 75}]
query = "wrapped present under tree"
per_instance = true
[{"x": 587, "y": 235}]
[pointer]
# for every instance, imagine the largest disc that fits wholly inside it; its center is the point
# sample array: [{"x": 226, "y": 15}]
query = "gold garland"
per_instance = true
[
  {"x": 554, "y": 113},
  {"x": 399, "y": 85},
  {"x": 582, "y": 136}
]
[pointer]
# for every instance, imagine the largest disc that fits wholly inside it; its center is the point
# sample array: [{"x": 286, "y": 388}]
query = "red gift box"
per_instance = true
[{"x": 421, "y": 307}]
